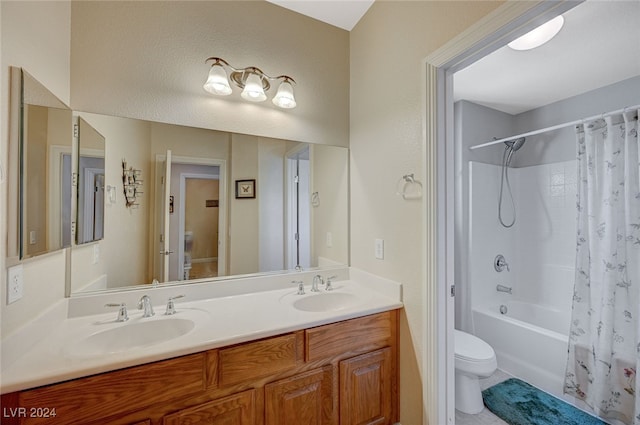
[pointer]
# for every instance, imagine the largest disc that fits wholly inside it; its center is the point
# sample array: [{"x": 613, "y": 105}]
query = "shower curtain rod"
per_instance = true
[{"x": 556, "y": 127}]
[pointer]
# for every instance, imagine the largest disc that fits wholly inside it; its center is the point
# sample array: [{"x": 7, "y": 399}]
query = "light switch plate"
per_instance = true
[
  {"x": 329, "y": 240},
  {"x": 14, "y": 284},
  {"x": 380, "y": 249}
]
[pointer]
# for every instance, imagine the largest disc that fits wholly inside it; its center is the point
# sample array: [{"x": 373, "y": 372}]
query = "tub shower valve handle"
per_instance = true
[
  {"x": 122, "y": 312},
  {"x": 500, "y": 263},
  {"x": 171, "y": 308},
  {"x": 300, "y": 286}
]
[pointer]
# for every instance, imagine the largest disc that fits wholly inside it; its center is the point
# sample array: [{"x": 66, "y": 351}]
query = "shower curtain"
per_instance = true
[{"x": 604, "y": 339}]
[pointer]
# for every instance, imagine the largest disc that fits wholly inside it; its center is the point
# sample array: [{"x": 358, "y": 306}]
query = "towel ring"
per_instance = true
[{"x": 409, "y": 188}]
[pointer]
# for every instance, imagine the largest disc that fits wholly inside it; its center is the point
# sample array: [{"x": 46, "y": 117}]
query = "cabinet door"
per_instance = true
[
  {"x": 304, "y": 399},
  {"x": 366, "y": 389},
  {"x": 237, "y": 409}
]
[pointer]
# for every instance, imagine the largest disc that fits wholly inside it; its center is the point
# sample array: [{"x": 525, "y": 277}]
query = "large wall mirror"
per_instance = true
[
  {"x": 169, "y": 203},
  {"x": 41, "y": 138}
]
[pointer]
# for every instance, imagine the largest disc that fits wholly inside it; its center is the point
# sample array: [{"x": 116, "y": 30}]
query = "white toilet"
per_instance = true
[{"x": 474, "y": 359}]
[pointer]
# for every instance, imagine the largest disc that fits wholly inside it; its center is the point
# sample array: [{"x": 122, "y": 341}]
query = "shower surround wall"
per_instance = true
[
  {"x": 540, "y": 251},
  {"x": 540, "y": 247}
]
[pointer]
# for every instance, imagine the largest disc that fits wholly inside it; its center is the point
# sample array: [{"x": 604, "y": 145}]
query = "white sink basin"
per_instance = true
[
  {"x": 142, "y": 333},
  {"x": 327, "y": 301}
]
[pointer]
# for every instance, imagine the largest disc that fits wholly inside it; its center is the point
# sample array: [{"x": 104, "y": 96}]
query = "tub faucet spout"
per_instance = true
[{"x": 502, "y": 288}]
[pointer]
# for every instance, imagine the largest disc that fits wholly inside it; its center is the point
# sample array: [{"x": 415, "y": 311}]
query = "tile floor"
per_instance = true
[{"x": 485, "y": 417}]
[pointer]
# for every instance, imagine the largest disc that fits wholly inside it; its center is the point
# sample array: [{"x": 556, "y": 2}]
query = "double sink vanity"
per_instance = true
[{"x": 252, "y": 350}]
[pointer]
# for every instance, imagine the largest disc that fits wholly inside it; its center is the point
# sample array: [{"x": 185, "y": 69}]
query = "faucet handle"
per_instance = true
[
  {"x": 329, "y": 283},
  {"x": 500, "y": 263},
  {"x": 171, "y": 308},
  {"x": 122, "y": 312},
  {"x": 300, "y": 286}
]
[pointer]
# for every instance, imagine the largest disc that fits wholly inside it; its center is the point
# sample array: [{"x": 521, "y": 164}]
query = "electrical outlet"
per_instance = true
[
  {"x": 380, "y": 249},
  {"x": 329, "y": 240},
  {"x": 32, "y": 237},
  {"x": 14, "y": 284}
]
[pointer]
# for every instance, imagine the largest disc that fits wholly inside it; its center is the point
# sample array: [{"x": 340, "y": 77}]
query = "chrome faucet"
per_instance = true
[
  {"x": 314, "y": 285},
  {"x": 502, "y": 288},
  {"x": 122, "y": 312},
  {"x": 329, "y": 283},
  {"x": 145, "y": 303},
  {"x": 171, "y": 308}
]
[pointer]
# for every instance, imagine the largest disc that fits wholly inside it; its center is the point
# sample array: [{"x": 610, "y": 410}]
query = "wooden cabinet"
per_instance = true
[
  {"x": 342, "y": 373},
  {"x": 304, "y": 399},
  {"x": 366, "y": 389}
]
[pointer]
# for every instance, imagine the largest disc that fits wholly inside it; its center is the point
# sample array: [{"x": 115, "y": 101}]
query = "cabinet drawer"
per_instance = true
[
  {"x": 261, "y": 358},
  {"x": 237, "y": 409},
  {"x": 101, "y": 396},
  {"x": 353, "y": 335}
]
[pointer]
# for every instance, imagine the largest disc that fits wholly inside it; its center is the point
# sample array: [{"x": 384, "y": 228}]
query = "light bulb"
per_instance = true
[
  {"x": 538, "y": 36},
  {"x": 253, "y": 90},
  {"x": 284, "y": 97},
  {"x": 217, "y": 83}
]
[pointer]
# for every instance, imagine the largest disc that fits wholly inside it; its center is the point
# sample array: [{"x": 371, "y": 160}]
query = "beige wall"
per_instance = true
[
  {"x": 330, "y": 178},
  {"x": 389, "y": 45},
  {"x": 244, "y": 222},
  {"x": 35, "y": 36},
  {"x": 123, "y": 251},
  {"x": 149, "y": 57},
  {"x": 37, "y": 119}
]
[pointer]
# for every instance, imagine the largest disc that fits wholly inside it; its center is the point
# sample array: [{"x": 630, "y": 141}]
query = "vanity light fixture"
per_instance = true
[
  {"x": 538, "y": 36},
  {"x": 251, "y": 80}
]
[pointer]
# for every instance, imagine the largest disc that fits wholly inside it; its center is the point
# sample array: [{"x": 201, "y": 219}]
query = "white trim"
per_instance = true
[
  {"x": 55, "y": 225},
  {"x": 504, "y": 24}
]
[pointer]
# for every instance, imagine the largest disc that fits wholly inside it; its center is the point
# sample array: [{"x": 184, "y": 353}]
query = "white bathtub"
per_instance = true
[{"x": 530, "y": 341}]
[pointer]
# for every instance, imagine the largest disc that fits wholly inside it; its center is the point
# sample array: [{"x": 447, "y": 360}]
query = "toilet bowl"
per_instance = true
[{"x": 474, "y": 359}]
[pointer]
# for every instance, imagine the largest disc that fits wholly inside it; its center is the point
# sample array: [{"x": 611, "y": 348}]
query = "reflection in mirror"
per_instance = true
[
  {"x": 91, "y": 187},
  {"x": 42, "y": 152},
  {"x": 192, "y": 224}
]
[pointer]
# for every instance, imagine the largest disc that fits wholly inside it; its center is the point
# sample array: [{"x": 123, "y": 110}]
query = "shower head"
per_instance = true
[{"x": 515, "y": 144}]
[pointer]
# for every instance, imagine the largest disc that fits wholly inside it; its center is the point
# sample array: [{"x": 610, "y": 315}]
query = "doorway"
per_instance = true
[
  {"x": 190, "y": 222},
  {"x": 499, "y": 27}
]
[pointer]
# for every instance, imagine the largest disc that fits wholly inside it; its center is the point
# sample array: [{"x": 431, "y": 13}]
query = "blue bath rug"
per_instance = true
[{"x": 519, "y": 403}]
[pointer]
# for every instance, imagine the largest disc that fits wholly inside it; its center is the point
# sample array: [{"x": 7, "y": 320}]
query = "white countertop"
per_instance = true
[{"x": 59, "y": 353}]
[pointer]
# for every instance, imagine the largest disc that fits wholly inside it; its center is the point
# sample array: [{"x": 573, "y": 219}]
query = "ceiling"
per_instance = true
[
  {"x": 598, "y": 45},
  {"x": 343, "y": 14}
]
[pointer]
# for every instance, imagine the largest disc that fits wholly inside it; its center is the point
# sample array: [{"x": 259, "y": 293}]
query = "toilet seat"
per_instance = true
[{"x": 471, "y": 348}]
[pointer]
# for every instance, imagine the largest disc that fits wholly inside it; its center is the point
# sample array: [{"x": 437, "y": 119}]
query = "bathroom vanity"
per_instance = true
[
  {"x": 327, "y": 357},
  {"x": 344, "y": 372}
]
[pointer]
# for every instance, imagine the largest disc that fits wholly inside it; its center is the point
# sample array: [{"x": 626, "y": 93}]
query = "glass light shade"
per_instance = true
[
  {"x": 538, "y": 36},
  {"x": 218, "y": 83},
  {"x": 253, "y": 90},
  {"x": 284, "y": 97}
]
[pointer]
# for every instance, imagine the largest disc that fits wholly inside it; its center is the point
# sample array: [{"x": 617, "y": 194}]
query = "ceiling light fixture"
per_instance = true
[
  {"x": 253, "y": 82},
  {"x": 538, "y": 36}
]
